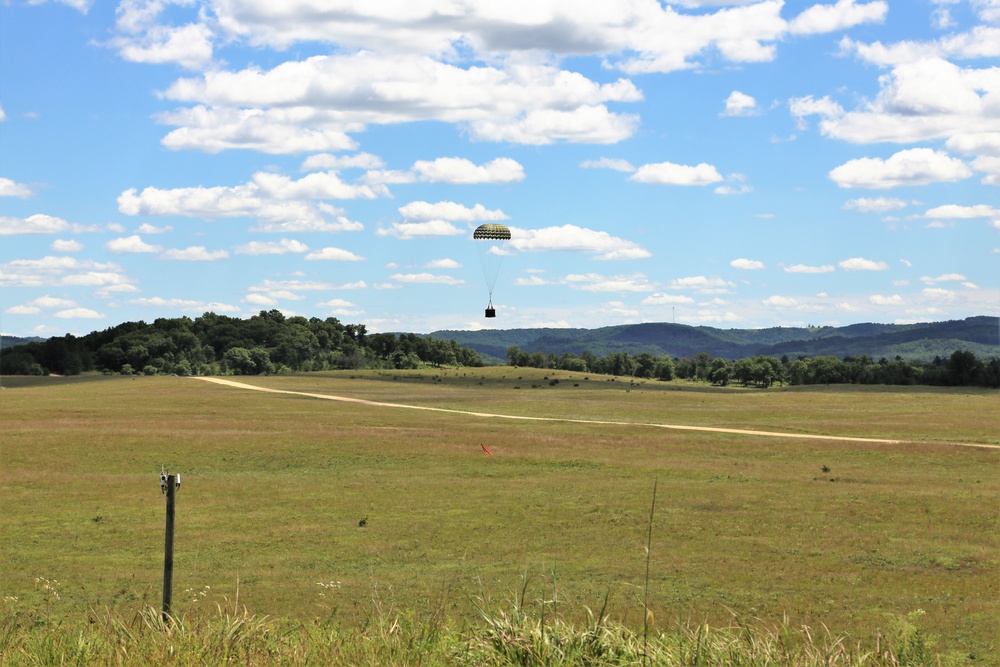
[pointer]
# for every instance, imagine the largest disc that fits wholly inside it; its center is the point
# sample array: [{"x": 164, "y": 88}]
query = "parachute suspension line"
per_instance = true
[{"x": 491, "y": 240}]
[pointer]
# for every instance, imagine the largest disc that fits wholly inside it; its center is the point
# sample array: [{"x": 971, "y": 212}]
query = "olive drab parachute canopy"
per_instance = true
[{"x": 491, "y": 242}]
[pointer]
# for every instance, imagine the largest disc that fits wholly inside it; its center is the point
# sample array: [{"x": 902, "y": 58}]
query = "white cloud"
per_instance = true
[
  {"x": 594, "y": 282},
  {"x": 922, "y": 98},
  {"x": 282, "y": 247},
  {"x": 83, "y": 6},
  {"x": 448, "y": 210},
  {"x": 131, "y": 244},
  {"x": 660, "y": 299},
  {"x": 9, "y": 188},
  {"x": 617, "y": 164},
  {"x": 312, "y": 104},
  {"x": 963, "y": 212},
  {"x": 51, "y": 302},
  {"x": 189, "y": 46},
  {"x": 66, "y": 245},
  {"x": 880, "y": 300},
  {"x": 668, "y": 173},
  {"x": 53, "y": 270},
  {"x": 274, "y": 131},
  {"x": 843, "y": 14},
  {"x": 195, "y": 254},
  {"x": 460, "y": 170},
  {"x": 703, "y": 284},
  {"x": 146, "y": 228},
  {"x": 780, "y": 301},
  {"x": 326, "y": 161},
  {"x": 576, "y": 239},
  {"x": 861, "y": 264},
  {"x": 442, "y": 264},
  {"x": 186, "y": 305},
  {"x": 740, "y": 104},
  {"x": 746, "y": 264},
  {"x": 410, "y": 230},
  {"x": 947, "y": 277},
  {"x": 33, "y": 224},
  {"x": 278, "y": 203},
  {"x": 805, "y": 268},
  {"x": 915, "y": 166},
  {"x": 991, "y": 166},
  {"x": 333, "y": 254},
  {"x": 874, "y": 204},
  {"x": 801, "y": 107},
  {"x": 78, "y": 314},
  {"x": 426, "y": 278}
]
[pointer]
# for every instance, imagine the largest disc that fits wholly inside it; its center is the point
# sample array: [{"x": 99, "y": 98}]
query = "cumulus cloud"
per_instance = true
[
  {"x": 616, "y": 164},
  {"x": 923, "y": 97},
  {"x": 448, "y": 210},
  {"x": 880, "y": 300},
  {"x": 703, "y": 284},
  {"x": 843, "y": 14},
  {"x": 194, "y": 254},
  {"x": 668, "y": 173},
  {"x": 805, "y": 268},
  {"x": 334, "y": 95},
  {"x": 277, "y": 202},
  {"x": 61, "y": 270},
  {"x": 740, "y": 104},
  {"x": 874, "y": 204},
  {"x": 426, "y": 279},
  {"x": 862, "y": 264},
  {"x": 915, "y": 166},
  {"x": 66, "y": 245},
  {"x": 443, "y": 264},
  {"x": 9, "y": 188},
  {"x": 576, "y": 239},
  {"x": 460, "y": 170},
  {"x": 661, "y": 299},
  {"x": 746, "y": 264},
  {"x": 595, "y": 282},
  {"x": 409, "y": 230},
  {"x": 189, "y": 46},
  {"x": 282, "y": 247},
  {"x": 963, "y": 212},
  {"x": 79, "y": 314},
  {"x": 33, "y": 224},
  {"x": 333, "y": 254},
  {"x": 131, "y": 244}
]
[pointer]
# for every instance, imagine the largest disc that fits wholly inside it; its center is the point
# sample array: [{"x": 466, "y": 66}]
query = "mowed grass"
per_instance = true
[{"x": 843, "y": 534}]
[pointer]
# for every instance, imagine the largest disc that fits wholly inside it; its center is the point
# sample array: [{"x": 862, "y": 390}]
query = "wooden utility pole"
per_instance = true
[{"x": 168, "y": 485}]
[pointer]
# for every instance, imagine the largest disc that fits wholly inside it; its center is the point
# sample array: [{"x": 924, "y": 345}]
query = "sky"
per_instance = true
[{"x": 730, "y": 163}]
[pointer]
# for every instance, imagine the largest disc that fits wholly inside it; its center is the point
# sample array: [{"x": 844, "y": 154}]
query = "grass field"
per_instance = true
[{"x": 844, "y": 534}]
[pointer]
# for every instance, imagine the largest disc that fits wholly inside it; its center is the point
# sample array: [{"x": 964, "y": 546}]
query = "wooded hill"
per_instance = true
[{"x": 912, "y": 342}]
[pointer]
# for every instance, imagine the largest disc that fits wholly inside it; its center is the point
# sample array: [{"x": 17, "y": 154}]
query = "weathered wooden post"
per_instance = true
[{"x": 168, "y": 485}]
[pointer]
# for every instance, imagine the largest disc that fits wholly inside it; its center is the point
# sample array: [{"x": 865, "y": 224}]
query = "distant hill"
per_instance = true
[
  {"x": 11, "y": 341},
  {"x": 913, "y": 342}
]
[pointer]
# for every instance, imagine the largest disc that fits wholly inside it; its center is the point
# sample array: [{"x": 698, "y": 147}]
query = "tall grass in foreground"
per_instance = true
[{"x": 508, "y": 634}]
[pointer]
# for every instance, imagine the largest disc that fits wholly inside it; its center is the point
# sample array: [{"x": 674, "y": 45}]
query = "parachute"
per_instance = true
[{"x": 491, "y": 242}]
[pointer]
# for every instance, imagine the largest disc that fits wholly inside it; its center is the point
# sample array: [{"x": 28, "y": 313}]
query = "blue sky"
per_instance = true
[{"x": 732, "y": 163}]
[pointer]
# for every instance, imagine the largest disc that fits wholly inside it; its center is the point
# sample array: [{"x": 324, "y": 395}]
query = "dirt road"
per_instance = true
[{"x": 676, "y": 427}]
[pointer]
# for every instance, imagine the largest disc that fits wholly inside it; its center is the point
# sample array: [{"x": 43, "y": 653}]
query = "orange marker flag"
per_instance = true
[{"x": 485, "y": 449}]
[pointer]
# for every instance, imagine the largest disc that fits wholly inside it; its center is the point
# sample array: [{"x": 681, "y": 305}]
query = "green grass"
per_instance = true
[{"x": 274, "y": 488}]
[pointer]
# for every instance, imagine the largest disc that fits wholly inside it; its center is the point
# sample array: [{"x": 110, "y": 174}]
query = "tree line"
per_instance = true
[
  {"x": 212, "y": 344},
  {"x": 962, "y": 368},
  {"x": 270, "y": 342}
]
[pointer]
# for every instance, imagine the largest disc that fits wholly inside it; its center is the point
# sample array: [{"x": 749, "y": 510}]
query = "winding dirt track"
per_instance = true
[{"x": 676, "y": 427}]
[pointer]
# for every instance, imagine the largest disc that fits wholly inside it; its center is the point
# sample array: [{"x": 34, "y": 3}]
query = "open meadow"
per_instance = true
[{"x": 304, "y": 509}]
